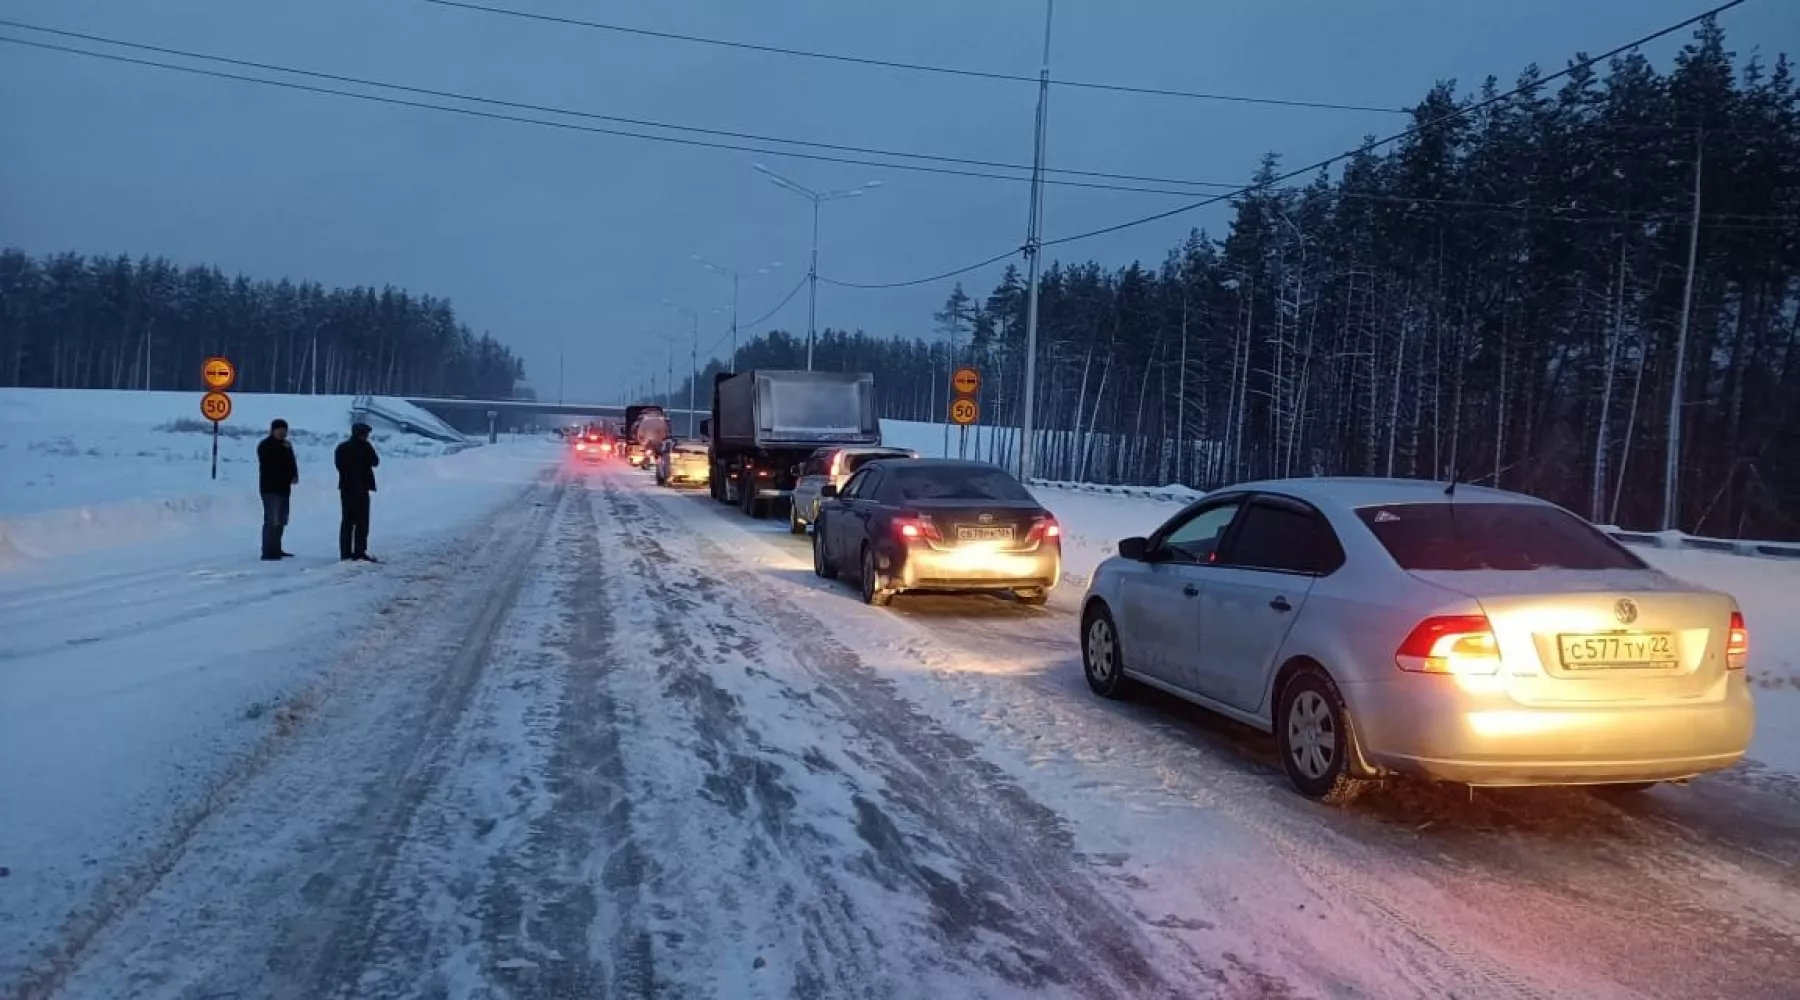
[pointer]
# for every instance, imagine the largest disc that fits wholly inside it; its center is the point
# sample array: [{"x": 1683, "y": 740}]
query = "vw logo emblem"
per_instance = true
[{"x": 1625, "y": 609}]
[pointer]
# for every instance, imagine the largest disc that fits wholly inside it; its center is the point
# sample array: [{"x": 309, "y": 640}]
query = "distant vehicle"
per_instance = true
[
  {"x": 1466, "y": 635},
  {"x": 937, "y": 525},
  {"x": 765, "y": 422},
  {"x": 833, "y": 466},
  {"x": 636, "y": 456},
  {"x": 593, "y": 446},
  {"x": 647, "y": 425},
  {"x": 683, "y": 463}
]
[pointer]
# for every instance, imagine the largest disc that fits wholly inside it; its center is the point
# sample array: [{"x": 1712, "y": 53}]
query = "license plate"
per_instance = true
[
  {"x": 1617, "y": 649},
  {"x": 999, "y": 534}
]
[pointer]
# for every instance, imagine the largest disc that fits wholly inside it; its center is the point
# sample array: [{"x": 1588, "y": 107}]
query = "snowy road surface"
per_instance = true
[{"x": 614, "y": 741}]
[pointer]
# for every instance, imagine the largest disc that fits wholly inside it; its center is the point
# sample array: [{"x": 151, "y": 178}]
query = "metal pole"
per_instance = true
[
  {"x": 734, "y": 319},
  {"x": 1034, "y": 236},
  {"x": 559, "y": 378},
  {"x": 694, "y": 381},
  {"x": 215, "y": 464},
  {"x": 1672, "y": 462},
  {"x": 812, "y": 277}
]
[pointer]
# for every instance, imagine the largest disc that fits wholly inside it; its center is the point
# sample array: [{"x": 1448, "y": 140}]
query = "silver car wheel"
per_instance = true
[
  {"x": 1312, "y": 735},
  {"x": 1100, "y": 649}
]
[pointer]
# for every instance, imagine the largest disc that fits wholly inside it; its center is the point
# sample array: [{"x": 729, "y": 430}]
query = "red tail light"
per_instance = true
[
  {"x": 1450, "y": 644},
  {"x": 580, "y": 447},
  {"x": 1737, "y": 643},
  {"x": 1044, "y": 527},
  {"x": 916, "y": 527}
]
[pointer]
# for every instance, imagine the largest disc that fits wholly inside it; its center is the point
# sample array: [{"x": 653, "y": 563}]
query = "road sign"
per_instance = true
[
  {"x": 964, "y": 412},
  {"x": 966, "y": 382},
  {"x": 215, "y": 406},
  {"x": 219, "y": 375}
]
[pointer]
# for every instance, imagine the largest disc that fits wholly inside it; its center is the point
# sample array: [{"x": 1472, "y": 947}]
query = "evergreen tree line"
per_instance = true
[
  {"x": 1499, "y": 298},
  {"x": 74, "y": 322}
]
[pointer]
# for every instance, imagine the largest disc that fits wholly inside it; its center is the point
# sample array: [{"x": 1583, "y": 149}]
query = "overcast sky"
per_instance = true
[{"x": 561, "y": 242}]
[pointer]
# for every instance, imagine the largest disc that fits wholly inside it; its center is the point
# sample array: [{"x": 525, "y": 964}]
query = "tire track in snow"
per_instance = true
[
  {"x": 143, "y": 918},
  {"x": 1016, "y": 905},
  {"x": 344, "y": 940}
]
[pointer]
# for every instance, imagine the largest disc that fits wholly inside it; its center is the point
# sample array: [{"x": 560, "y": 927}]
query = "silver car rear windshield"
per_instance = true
[{"x": 1492, "y": 536}]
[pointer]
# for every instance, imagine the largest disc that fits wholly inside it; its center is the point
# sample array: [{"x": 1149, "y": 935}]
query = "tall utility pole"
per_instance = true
[
  {"x": 734, "y": 276},
  {"x": 559, "y": 378},
  {"x": 812, "y": 275},
  {"x": 1672, "y": 462},
  {"x": 1034, "y": 237},
  {"x": 694, "y": 361}
]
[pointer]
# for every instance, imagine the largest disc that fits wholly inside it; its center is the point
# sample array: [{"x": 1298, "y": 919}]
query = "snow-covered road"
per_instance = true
[{"x": 619, "y": 741}]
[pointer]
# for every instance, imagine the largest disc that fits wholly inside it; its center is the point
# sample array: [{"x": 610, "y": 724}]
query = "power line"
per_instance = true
[
  {"x": 765, "y": 317},
  {"x": 997, "y": 258},
  {"x": 909, "y": 66},
  {"x": 619, "y": 119},
  {"x": 1414, "y": 130}
]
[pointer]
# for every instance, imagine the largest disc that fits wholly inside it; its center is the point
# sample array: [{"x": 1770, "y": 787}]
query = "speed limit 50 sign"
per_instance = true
[{"x": 215, "y": 406}]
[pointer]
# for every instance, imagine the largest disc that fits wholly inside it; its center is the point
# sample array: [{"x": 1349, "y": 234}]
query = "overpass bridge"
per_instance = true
[{"x": 483, "y": 415}]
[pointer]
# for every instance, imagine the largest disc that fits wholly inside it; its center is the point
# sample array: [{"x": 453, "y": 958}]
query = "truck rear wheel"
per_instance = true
[{"x": 747, "y": 494}]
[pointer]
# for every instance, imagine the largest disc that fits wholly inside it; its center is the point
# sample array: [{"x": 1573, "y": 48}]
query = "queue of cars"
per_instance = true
[{"x": 1375, "y": 627}]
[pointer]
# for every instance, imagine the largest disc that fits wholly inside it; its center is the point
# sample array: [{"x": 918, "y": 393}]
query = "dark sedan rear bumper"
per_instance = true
[{"x": 976, "y": 569}]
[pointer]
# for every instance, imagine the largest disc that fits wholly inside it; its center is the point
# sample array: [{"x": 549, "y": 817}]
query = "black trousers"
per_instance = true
[
  {"x": 353, "y": 530},
  {"x": 275, "y": 519}
]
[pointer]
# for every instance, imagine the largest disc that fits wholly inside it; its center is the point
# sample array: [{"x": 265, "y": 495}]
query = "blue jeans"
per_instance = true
[{"x": 275, "y": 519}]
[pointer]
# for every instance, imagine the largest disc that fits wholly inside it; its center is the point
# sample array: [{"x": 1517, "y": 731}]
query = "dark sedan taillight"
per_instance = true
[
  {"x": 914, "y": 526},
  {"x": 1043, "y": 527}
]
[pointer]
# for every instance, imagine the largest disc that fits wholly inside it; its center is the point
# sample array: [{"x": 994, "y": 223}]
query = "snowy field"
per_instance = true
[{"x": 582, "y": 736}]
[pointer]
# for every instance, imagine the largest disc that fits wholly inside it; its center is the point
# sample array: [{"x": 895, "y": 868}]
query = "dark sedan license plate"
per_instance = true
[
  {"x": 1617, "y": 649},
  {"x": 996, "y": 534}
]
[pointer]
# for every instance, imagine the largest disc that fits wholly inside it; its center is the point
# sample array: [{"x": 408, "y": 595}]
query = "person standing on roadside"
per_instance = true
[
  {"x": 277, "y": 471},
  {"x": 356, "y": 461}
]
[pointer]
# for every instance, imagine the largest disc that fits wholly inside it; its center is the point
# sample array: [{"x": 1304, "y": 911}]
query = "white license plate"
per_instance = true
[
  {"x": 984, "y": 534},
  {"x": 1617, "y": 649}
]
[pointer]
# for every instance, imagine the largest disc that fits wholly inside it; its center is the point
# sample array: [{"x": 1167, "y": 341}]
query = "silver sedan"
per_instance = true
[{"x": 1400, "y": 626}]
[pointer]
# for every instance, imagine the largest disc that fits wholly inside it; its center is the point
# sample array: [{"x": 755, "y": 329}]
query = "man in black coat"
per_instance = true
[
  {"x": 276, "y": 473},
  {"x": 356, "y": 461}
]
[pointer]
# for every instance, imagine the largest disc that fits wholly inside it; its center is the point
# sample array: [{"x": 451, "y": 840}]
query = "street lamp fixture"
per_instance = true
[
  {"x": 735, "y": 276},
  {"x": 812, "y": 275}
]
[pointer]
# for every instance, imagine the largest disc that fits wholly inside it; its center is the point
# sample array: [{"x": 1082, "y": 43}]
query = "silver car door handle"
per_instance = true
[
  {"x": 1281, "y": 604},
  {"x": 1191, "y": 590}
]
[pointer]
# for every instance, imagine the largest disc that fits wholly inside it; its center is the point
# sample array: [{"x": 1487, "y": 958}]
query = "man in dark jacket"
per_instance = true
[
  {"x": 276, "y": 472},
  {"x": 356, "y": 461}
]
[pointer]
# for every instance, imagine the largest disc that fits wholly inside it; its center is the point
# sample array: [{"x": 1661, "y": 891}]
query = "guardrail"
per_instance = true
[{"x": 1646, "y": 539}]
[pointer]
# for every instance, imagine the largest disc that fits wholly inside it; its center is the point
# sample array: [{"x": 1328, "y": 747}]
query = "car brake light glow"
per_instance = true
[
  {"x": 1737, "y": 643},
  {"x": 916, "y": 527},
  {"x": 1044, "y": 527},
  {"x": 1450, "y": 644},
  {"x": 579, "y": 446}
]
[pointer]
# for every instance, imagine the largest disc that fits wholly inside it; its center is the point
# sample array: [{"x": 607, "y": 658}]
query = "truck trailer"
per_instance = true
[{"x": 764, "y": 423}]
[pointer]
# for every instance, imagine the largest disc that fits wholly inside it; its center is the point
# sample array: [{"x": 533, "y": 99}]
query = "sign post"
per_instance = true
[
  {"x": 218, "y": 375},
  {"x": 964, "y": 410}
]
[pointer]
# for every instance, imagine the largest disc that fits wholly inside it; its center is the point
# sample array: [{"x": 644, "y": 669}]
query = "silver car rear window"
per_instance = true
[{"x": 1492, "y": 536}]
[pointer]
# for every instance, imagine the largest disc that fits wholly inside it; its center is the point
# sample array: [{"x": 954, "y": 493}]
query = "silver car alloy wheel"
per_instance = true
[
  {"x": 1312, "y": 734},
  {"x": 1100, "y": 649}
]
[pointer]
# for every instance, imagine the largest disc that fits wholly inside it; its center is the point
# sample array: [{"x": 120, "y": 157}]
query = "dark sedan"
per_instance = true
[{"x": 937, "y": 525}]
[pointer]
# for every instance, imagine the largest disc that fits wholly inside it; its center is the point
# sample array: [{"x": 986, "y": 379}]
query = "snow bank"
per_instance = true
[{"x": 95, "y": 469}]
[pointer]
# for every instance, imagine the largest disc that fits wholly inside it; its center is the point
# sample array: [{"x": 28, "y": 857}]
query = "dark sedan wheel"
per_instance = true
[
  {"x": 795, "y": 525},
  {"x": 872, "y": 592},
  {"x": 1100, "y": 658},
  {"x": 1316, "y": 737},
  {"x": 822, "y": 566}
]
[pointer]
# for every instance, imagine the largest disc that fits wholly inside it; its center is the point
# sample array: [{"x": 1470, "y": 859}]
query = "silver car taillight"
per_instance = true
[{"x": 1450, "y": 644}]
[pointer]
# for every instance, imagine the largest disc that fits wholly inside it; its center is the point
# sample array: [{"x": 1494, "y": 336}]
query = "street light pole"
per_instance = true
[
  {"x": 1033, "y": 251},
  {"x": 734, "y": 275},
  {"x": 812, "y": 276}
]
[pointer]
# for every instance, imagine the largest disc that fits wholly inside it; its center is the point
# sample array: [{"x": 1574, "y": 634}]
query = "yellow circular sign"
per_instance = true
[
  {"x": 966, "y": 381},
  {"x": 218, "y": 374},
  {"x": 215, "y": 406},
  {"x": 964, "y": 411}
]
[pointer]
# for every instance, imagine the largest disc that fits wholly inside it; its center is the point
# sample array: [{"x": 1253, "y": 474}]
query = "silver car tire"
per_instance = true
[
  {"x": 795, "y": 525},
  {"x": 1100, "y": 659},
  {"x": 1317, "y": 739}
]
